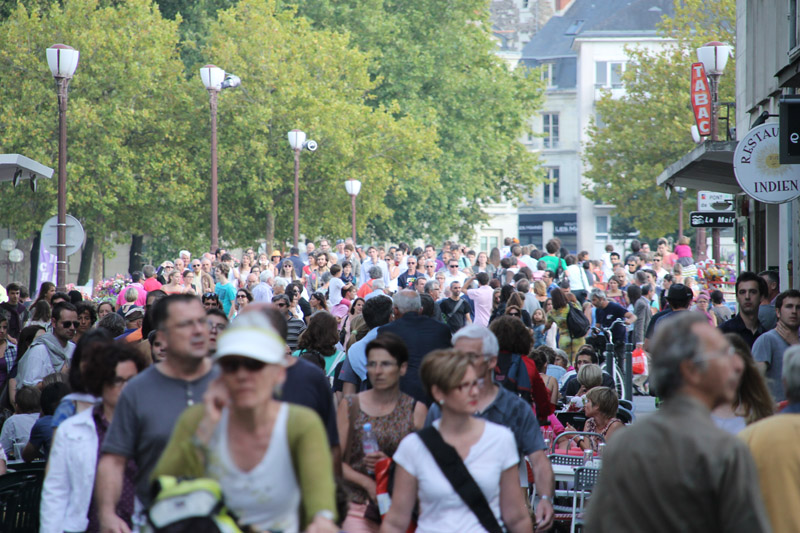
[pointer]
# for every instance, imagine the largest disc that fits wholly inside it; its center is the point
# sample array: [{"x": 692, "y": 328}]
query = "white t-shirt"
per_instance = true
[
  {"x": 577, "y": 279},
  {"x": 441, "y": 508}
]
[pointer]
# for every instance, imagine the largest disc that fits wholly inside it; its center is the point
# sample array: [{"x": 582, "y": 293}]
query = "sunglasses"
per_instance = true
[
  {"x": 241, "y": 296},
  {"x": 453, "y": 266},
  {"x": 67, "y": 324},
  {"x": 513, "y": 314},
  {"x": 197, "y": 265},
  {"x": 281, "y": 304},
  {"x": 210, "y": 296},
  {"x": 229, "y": 365}
]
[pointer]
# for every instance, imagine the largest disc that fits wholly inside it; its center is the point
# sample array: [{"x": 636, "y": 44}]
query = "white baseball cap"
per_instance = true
[{"x": 251, "y": 335}]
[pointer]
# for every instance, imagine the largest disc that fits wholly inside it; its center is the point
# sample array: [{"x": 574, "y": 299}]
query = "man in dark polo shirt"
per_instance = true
[{"x": 750, "y": 289}]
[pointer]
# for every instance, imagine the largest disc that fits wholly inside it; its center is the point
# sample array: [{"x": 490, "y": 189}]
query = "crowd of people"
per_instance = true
[{"x": 290, "y": 379}]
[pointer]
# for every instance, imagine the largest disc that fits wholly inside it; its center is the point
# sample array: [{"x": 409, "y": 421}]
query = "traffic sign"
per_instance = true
[
  {"x": 712, "y": 219},
  {"x": 74, "y": 235}
]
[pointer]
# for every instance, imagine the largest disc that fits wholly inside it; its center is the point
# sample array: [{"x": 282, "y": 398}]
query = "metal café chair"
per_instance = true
[{"x": 585, "y": 480}]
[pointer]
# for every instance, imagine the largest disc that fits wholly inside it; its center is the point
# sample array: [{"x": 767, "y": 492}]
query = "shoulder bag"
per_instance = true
[{"x": 459, "y": 477}]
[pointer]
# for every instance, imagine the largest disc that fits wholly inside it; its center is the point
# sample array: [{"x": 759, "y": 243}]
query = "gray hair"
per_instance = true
[
  {"x": 590, "y": 376},
  {"x": 473, "y": 331},
  {"x": 326, "y": 277},
  {"x": 377, "y": 284},
  {"x": 431, "y": 285},
  {"x": 674, "y": 342},
  {"x": 265, "y": 276},
  {"x": 791, "y": 373},
  {"x": 113, "y": 323},
  {"x": 641, "y": 276},
  {"x": 149, "y": 271},
  {"x": 407, "y": 301},
  {"x": 281, "y": 282},
  {"x": 598, "y": 293},
  {"x": 375, "y": 272}
]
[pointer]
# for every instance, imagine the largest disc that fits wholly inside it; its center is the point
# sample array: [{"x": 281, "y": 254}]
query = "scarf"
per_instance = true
[{"x": 58, "y": 353}]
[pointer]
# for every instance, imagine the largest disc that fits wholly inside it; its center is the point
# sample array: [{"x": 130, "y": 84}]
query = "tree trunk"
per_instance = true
[
  {"x": 270, "y": 232},
  {"x": 97, "y": 266},
  {"x": 34, "y": 255},
  {"x": 87, "y": 253},
  {"x": 135, "y": 255}
]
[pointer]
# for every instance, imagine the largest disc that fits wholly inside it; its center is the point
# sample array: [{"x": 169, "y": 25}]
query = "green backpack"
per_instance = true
[{"x": 189, "y": 506}]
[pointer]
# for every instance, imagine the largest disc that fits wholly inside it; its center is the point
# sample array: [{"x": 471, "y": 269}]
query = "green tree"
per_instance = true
[
  {"x": 436, "y": 61},
  {"x": 647, "y": 129},
  {"x": 130, "y": 121},
  {"x": 294, "y": 76}
]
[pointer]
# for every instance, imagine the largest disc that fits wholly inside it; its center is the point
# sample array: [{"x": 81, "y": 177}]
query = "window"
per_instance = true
[
  {"x": 549, "y": 74},
  {"x": 609, "y": 74},
  {"x": 525, "y": 4},
  {"x": 488, "y": 243},
  {"x": 601, "y": 226},
  {"x": 550, "y": 129},
  {"x": 574, "y": 28},
  {"x": 551, "y": 189}
]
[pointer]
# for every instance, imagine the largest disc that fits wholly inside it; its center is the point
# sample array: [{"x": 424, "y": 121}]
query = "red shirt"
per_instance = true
[{"x": 151, "y": 284}]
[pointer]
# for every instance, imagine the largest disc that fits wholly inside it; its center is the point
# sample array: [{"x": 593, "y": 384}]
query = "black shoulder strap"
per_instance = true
[{"x": 459, "y": 477}]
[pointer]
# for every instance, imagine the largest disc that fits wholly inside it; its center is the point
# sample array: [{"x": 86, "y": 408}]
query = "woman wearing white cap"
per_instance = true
[{"x": 271, "y": 458}]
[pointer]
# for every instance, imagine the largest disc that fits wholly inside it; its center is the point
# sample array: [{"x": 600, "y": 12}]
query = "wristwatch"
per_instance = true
[
  {"x": 546, "y": 498},
  {"x": 325, "y": 513},
  {"x": 578, "y": 439}
]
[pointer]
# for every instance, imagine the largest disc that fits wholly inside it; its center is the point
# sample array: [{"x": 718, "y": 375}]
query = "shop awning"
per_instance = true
[{"x": 709, "y": 167}]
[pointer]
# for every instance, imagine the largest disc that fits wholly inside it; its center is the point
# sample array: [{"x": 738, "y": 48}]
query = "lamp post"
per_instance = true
[
  {"x": 62, "y": 60},
  {"x": 681, "y": 193},
  {"x": 353, "y": 187},
  {"x": 297, "y": 140},
  {"x": 714, "y": 56},
  {"x": 215, "y": 80}
]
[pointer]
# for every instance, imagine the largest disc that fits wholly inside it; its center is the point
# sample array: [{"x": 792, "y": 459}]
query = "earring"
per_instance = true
[{"x": 441, "y": 402}]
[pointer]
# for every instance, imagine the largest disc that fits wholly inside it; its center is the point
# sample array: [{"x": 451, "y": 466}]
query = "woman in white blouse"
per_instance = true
[{"x": 488, "y": 450}]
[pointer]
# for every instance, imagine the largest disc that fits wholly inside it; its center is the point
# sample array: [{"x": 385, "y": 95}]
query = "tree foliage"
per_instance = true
[
  {"x": 647, "y": 129},
  {"x": 435, "y": 60}
]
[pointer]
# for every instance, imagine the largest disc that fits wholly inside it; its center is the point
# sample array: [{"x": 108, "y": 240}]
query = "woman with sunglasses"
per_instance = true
[
  {"x": 243, "y": 297},
  {"x": 488, "y": 451},
  {"x": 271, "y": 458},
  {"x": 286, "y": 271},
  {"x": 392, "y": 414}
]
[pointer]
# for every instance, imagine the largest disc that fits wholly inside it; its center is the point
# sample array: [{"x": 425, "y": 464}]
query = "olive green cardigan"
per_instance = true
[{"x": 308, "y": 445}]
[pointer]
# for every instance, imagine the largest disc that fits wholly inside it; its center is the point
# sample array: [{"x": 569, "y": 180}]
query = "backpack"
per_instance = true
[
  {"x": 577, "y": 323},
  {"x": 189, "y": 506}
]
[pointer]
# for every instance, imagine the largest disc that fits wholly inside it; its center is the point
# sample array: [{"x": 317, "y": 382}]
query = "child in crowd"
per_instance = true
[{"x": 17, "y": 429}]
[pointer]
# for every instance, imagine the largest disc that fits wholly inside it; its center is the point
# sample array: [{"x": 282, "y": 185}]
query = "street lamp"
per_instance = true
[
  {"x": 297, "y": 140},
  {"x": 353, "y": 187},
  {"x": 62, "y": 60},
  {"x": 714, "y": 56},
  {"x": 215, "y": 80},
  {"x": 681, "y": 193}
]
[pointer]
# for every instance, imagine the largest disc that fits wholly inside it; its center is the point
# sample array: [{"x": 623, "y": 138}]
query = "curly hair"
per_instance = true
[
  {"x": 101, "y": 364},
  {"x": 512, "y": 335},
  {"x": 321, "y": 335}
]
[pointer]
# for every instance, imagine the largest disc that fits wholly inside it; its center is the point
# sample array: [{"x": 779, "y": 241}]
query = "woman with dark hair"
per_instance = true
[
  {"x": 515, "y": 342},
  {"x": 80, "y": 398},
  {"x": 505, "y": 293},
  {"x": 243, "y": 298},
  {"x": 321, "y": 336},
  {"x": 103, "y": 308},
  {"x": 517, "y": 300},
  {"x": 391, "y": 414},
  {"x": 614, "y": 292},
  {"x": 753, "y": 399},
  {"x": 39, "y": 314},
  {"x": 8, "y": 352},
  {"x": 46, "y": 292},
  {"x": 494, "y": 258},
  {"x": 558, "y": 316},
  {"x": 318, "y": 303},
  {"x": 87, "y": 316},
  {"x": 347, "y": 322},
  {"x": 66, "y": 503}
]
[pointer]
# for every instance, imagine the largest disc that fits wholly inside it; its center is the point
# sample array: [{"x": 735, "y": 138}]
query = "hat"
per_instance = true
[
  {"x": 276, "y": 253},
  {"x": 339, "y": 241},
  {"x": 679, "y": 291},
  {"x": 131, "y": 314},
  {"x": 259, "y": 342}
]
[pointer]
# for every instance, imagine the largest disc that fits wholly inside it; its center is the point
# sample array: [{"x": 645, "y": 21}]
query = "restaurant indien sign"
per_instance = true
[{"x": 756, "y": 164}]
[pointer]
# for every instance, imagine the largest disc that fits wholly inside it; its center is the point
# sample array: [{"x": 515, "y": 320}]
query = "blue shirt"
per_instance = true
[
  {"x": 357, "y": 354},
  {"x": 227, "y": 295}
]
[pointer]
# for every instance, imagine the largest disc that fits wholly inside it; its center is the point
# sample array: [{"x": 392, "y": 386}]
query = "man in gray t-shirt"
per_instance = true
[
  {"x": 151, "y": 403},
  {"x": 769, "y": 347}
]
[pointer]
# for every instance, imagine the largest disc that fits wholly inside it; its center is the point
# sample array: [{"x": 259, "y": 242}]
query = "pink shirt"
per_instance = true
[
  {"x": 140, "y": 300},
  {"x": 482, "y": 298}
]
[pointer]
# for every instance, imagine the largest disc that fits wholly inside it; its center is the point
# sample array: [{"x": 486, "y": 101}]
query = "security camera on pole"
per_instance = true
[{"x": 297, "y": 140}]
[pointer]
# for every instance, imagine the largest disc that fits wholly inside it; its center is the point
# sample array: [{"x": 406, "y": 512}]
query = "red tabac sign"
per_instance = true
[{"x": 701, "y": 99}]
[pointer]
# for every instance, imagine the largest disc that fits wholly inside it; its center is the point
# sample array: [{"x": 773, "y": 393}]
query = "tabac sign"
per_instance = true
[
  {"x": 756, "y": 164},
  {"x": 701, "y": 99}
]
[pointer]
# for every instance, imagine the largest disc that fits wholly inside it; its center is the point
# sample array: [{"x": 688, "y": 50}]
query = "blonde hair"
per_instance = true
[
  {"x": 684, "y": 240},
  {"x": 605, "y": 399},
  {"x": 540, "y": 288},
  {"x": 590, "y": 376},
  {"x": 445, "y": 369}
]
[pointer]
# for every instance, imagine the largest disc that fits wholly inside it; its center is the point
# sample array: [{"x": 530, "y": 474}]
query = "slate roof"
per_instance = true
[{"x": 601, "y": 18}]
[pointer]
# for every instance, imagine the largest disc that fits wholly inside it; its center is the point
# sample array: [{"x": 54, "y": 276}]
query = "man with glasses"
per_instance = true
[
  {"x": 217, "y": 323},
  {"x": 675, "y": 470},
  {"x": 295, "y": 325},
  {"x": 51, "y": 352},
  {"x": 408, "y": 278},
  {"x": 501, "y": 406},
  {"x": 453, "y": 273},
  {"x": 150, "y": 405},
  {"x": 430, "y": 269},
  {"x": 658, "y": 268}
]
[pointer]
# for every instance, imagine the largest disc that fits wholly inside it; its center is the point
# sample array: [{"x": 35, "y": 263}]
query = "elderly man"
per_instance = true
[
  {"x": 501, "y": 406},
  {"x": 675, "y": 470},
  {"x": 778, "y": 472},
  {"x": 263, "y": 291}
]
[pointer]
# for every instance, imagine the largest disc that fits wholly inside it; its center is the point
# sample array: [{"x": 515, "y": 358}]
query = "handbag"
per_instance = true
[{"x": 459, "y": 477}]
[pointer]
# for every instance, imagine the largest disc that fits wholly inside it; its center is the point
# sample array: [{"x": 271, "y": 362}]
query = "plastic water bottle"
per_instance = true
[
  {"x": 588, "y": 457},
  {"x": 369, "y": 443}
]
